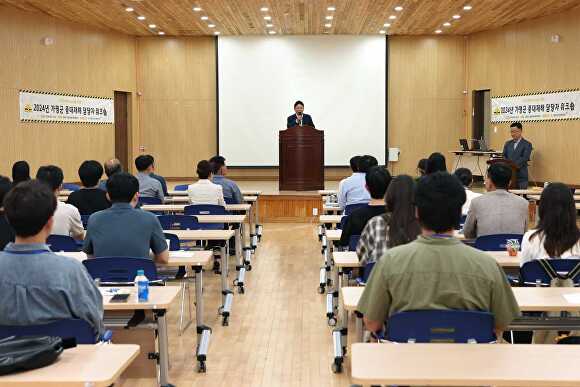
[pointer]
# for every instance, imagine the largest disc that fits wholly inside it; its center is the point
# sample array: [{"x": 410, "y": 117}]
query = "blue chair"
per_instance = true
[
  {"x": 85, "y": 220},
  {"x": 367, "y": 269},
  {"x": 71, "y": 187},
  {"x": 178, "y": 222},
  {"x": 207, "y": 209},
  {"x": 352, "y": 207},
  {"x": 78, "y": 329},
  {"x": 353, "y": 242},
  {"x": 146, "y": 200},
  {"x": 533, "y": 273},
  {"x": 120, "y": 270},
  {"x": 230, "y": 201},
  {"x": 174, "y": 242},
  {"x": 441, "y": 326},
  {"x": 495, "y": 242},
  {"x": 181, "y": 187},
  {"x": 62, "y": 243}
]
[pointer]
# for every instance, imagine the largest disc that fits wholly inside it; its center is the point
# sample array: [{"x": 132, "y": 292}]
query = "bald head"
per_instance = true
[{"x": 113, "y": 166}]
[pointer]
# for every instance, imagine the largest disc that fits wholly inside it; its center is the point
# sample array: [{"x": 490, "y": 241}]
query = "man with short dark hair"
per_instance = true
[
  {"x": 377, "y": 181},
  {"x": 89, "y": 198},
  {"x": 204, "y": 191},
  {"x": 230, "y": 189},
  {"x": 111, "y": 167},
  {"x": 466, "y": 178},
  {"x": 122, "y": 230},
  {"x": 38, "y": 286},
  {"x": 518, "y": 150},
  {"x": 6, "y": 231},
  {"x": 352, "y": 189},
  {"x": 497, "y": 211},
  {"x": 67, "y": 219},
  {"x": 148, "y": 186},
  {"x": 437, "y": 271}
]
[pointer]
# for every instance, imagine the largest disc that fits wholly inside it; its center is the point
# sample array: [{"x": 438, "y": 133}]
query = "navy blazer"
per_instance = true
[
  {"x": 520, "y": 156},
  {"x": 306, "y": 120}
]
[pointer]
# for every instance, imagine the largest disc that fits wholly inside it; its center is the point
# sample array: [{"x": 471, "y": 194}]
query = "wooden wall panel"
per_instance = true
[
  {"x": 81, "y": 61},
  {"x": 426, "y": 101},
  {"x": 521, "y": 58},
  {"x": 176, "y": 77}
]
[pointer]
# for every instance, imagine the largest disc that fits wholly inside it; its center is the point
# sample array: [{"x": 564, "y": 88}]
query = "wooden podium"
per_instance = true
[
  {"x": 512, "y": 165},
  {"x": 301, "y": 159}
]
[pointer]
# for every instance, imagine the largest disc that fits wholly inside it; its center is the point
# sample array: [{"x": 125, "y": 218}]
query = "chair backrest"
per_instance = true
[
  {"x": 78, "y": 329},
  {"x": 120, "y": 269},
  {"x": 230, "y": 201},
  {"x": 71, "y": 186},
  {"x": 441, "y": 326},
  {"x": 181, "y": 187},
  {"x": 62, "y": 243},
  {"x": 496, "y": 242},
  {"x": 353, "y": 242},
  {"x": 367, "y": 272},
  {"x": 85, "y": 220},
  {"x": 352, "y": 207},
  {"x": 533, "y": 273},
  {"x": 207, "y": 209},
  {"x": 174, "y": 242},
  {"x": 178, "y": 222},
  {"x": 147, "y": 200}
]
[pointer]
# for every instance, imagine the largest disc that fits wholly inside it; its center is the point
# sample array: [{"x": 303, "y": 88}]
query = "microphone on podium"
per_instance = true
[{"x": 299, "y": 119}]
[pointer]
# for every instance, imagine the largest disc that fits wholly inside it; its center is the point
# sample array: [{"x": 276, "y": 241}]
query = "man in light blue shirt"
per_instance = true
[
  {"x": 148, "y": 186},
  {"x": 352, "y": 190},
  {"x": 232, "y": 193}
]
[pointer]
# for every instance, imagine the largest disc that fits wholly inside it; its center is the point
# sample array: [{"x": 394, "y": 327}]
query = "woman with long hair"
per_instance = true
[
  {"x": 556, "y": 234},
  {"x": 397, "y": 226}
]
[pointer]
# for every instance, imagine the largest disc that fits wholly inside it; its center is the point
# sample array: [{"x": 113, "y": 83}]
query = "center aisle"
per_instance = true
[{"x": 277, "y": 336}]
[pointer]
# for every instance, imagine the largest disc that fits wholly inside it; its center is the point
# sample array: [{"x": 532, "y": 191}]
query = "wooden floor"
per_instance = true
[{"x": 277, "y": 335}]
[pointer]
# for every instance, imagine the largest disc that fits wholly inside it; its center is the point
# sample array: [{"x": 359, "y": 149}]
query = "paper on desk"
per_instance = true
[
  {"x": 572, "y": 298},
  {"x": 180, "y": 254},
  {"x": 112, "y": 291}
]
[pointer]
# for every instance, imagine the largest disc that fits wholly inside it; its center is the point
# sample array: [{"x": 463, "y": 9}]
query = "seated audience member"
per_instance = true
[
  {"x": 112, "y": 166},
  {"x": 557, "y": 234},
  {"x": 229, "y": 188},
  {"x": 89, "y": 198},
  {"x": 67, "y": 219},
  {"x": 148, "y": 186},
  {"x": 204, "y": 191},
  {"x": 160, "y": 179},
  {"x": 38, "y": 286},
  {"x": 397, "y": 226},
  {"x": 377, "y": 181},
  {"x": 20, "y": 172},
  {"x": 435, "y": 163},
  {"x": 497, "y": 211},
  {"x": 437, "y": 271},
  {"x": 421, "y": 168},
  {"x": 466, "y": 178},
  {"x": 6, "y": 231},
  {"x": 352, "y": 189},
  {"x": 123, "y": 230}
]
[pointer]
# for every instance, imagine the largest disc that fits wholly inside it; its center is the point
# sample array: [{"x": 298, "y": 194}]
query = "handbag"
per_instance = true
[{"x": 21, "y": 353}]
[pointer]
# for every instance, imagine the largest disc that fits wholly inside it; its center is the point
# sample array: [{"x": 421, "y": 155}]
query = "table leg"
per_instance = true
[
  {"x": 163, "y": 348},
  {"x": 227, "y": 294},
  {"x": 203, "y": 331}
]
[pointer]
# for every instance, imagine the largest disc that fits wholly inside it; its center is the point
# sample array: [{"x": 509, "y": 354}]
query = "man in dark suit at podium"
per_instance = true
[
  {"x": 299, "y": 118},
  {"x": 518, "y": 150}
]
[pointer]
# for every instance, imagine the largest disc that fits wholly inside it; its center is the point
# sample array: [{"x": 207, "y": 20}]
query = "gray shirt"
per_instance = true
[
  {"x": 230, "y": 189},
  {"x": 149, "y": 187},
  {"x": 39, "y": 287},
  {"x": 123, "y": 231}
]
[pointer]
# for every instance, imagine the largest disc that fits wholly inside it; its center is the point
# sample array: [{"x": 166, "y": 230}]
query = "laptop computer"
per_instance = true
[{"x": 464, "y": 144}]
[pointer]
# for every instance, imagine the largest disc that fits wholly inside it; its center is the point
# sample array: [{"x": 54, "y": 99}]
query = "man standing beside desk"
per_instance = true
[{"x": 518, "y": 150}]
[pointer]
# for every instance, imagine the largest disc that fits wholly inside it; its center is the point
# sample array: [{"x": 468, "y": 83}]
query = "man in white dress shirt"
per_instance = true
[
  {"x": 466, "y": 178},
  {"x": 204, "y": 191}
]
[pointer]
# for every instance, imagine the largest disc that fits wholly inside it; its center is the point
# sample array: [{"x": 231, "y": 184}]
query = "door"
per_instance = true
[
  {"x": 481, "y": 115},
  {"x": 122, "y": 128}
]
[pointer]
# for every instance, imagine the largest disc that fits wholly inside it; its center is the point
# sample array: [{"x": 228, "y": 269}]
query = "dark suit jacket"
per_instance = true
[
  {"x": 306, "y": 120},
  {"x": 520, "y": 156}
]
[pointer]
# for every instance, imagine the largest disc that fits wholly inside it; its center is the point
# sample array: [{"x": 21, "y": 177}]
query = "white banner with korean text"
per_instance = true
[
  {"x": 558, "y": 105},
  {"x": 52, "y": 107}
]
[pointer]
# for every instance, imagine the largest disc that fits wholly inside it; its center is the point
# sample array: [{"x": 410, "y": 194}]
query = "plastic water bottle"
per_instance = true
[{"x": 142, "y": 284}]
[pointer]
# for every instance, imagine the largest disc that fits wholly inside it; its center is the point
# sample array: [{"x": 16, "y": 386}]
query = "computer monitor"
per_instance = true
[{"x": 464, "y": 144}]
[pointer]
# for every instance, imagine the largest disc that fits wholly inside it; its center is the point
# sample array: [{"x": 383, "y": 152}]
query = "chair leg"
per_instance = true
[{"x": 181, "y": 308}]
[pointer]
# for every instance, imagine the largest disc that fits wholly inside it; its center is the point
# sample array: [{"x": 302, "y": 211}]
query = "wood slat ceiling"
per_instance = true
[{"x": 244, "y": 17}]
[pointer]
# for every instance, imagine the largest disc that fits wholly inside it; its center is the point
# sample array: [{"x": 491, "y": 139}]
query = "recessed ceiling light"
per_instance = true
[
  {"x": 211, "y": 25},
  {"x": 398, "y": 8},
  {"x": 446, "y": 24},
  {"x": 141, "y": 17},
  {"x": 468, "y": 8},
  {"x": 272, "y": 32},
  {"x": 216, "y": 32},
  {"x": 129, "y": 9},
  {"x": 161, "y": 33},
  {"x": 382, "y": 32},
  {"x": 392, "y": 17},
  {"x": 204, "y": 18},
  {"x": 387, "y": 25},
  {"x": 152, "y": 26},
  {"x": 329, "y": 17},
  {"x": 456, "y": 17},
  {"x": 328, "y": 25},
  {"x": 269, "y": 25},
  {"x": 196, "y": 9},
  {"x": 331, "y": 8},
  {"x": 264, "y": 9},
  {"x": 267, "y": 17},
  {"x": 438, "y": 31}
]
